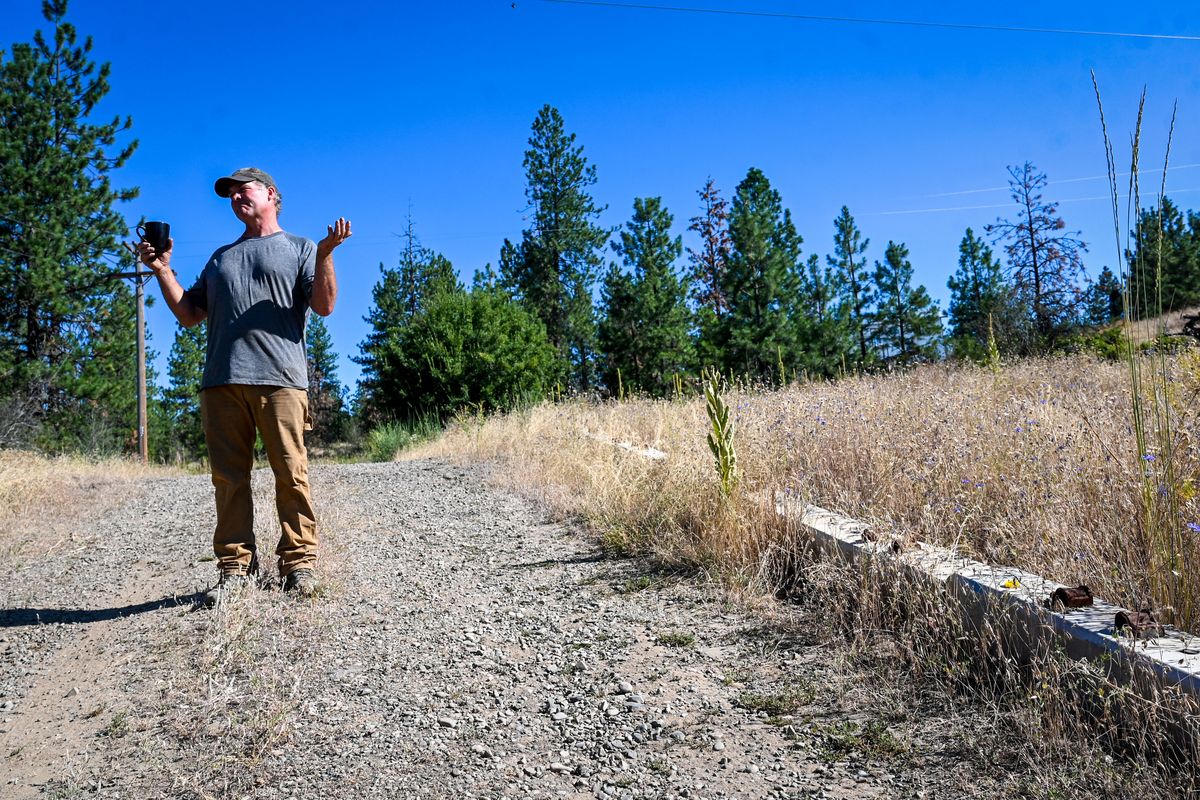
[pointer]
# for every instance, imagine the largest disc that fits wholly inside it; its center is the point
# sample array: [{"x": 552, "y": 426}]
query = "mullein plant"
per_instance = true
[
  {"x": 1171, "y": 548},
  {"x": 720, "y": 438},
  {"x": 993, "y": 350}
]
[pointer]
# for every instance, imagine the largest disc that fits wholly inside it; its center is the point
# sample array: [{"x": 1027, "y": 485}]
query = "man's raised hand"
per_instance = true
[{"x": 338, "y": 233}]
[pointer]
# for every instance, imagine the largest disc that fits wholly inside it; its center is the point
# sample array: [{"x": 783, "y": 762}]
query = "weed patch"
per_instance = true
[
  {"x": 776, "y": 703},
  {"x": 871, "y": 739},
  {"x": 676, "y": 639}
]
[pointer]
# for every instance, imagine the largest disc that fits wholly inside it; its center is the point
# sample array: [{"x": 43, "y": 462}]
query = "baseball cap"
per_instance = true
[{"x": 224, "y": 186}]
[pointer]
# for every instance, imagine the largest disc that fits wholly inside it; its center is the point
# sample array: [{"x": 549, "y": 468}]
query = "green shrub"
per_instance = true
[
  {"x": 388, "y": 439},
  {"x": 1109, "y": 343},
  {"x": 464, "y": 350},
  {"x": 1167, "y": 345}
]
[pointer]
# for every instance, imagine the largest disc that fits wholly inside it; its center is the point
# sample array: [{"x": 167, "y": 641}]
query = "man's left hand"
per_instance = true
[{"x": 338, "y": 233}]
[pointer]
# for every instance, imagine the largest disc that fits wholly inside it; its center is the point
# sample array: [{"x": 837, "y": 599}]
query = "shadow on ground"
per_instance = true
[{"x": 23, "y": 617}]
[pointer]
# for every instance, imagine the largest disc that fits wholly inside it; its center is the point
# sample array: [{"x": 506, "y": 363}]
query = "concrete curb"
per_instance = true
[
  {"x": 1087, "y": 634},
  {"x": 644, "y": 452},
  {"x": 1084, "y": 633}
]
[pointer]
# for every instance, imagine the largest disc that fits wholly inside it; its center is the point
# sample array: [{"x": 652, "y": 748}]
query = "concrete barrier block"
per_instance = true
[{"x": 1018, "y": 597}]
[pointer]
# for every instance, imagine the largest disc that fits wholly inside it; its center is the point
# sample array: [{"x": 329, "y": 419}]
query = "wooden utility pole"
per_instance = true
[{"x": 140, "y": 277}]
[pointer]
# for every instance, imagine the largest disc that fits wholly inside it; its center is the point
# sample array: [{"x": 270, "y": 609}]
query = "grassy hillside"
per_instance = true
[{"x": 1034, "y": 466}]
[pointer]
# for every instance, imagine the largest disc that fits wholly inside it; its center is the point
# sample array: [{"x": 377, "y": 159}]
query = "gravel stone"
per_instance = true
[{"x": 470, "y": 645}]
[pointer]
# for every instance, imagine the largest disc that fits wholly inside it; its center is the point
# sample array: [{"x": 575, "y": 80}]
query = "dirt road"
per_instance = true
[{"x": 467, "y": 647}]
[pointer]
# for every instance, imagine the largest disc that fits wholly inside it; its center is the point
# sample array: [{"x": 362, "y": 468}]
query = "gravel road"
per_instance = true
[{"x": 467, "y": 647}]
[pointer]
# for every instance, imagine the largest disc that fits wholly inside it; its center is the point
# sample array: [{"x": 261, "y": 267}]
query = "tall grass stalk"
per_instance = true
[{"x": 1154, "y": 394}]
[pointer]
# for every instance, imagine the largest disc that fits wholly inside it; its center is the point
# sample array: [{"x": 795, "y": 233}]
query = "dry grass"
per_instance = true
[
  {"x": 1169, "y": 324},
  {"x": 242, "y": 675},
  {"x": 1035, "y": 467},
  {"x": 29, "y": 481},
  {"x": 1033, "y": 715},
  {"x": 249, "y": 676},
  {"x": 70, "y": 486}
]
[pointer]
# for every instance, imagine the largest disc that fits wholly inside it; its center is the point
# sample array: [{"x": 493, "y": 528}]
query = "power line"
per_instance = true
[
  {"x": 1053, "y": 183},
  {"x": 870, "y": 21},
  {"x": 101, "y": 252},
  {"x": 76, "y": 290},
  {"x": 1002, "y": 205}
]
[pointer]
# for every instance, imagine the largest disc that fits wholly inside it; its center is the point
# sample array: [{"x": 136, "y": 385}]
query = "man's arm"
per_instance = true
[
  {"x": 324, "y": 291},
  {"x": 160, "y": 264}
]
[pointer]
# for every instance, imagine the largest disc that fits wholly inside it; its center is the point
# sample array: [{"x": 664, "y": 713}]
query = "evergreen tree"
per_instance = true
[
  {"x": 760, "y": 283},
  {"x": 181, "y": 399},
  {"x": 981, "y": 303},
  {"x": 99, "y": 413},
  {"x": 825, "y": 339},
  {"x": 1165, "y": 254},
  {"x": 1044, "y": 260},
  {"x": 476, "y": 349},
  {"x": 399, "y": 296},
  {"x": 907, "y": 323},
  {"x": 1106, "y": 300},
  {"x": 643, "y": 330},
  {"x": 554, "y": 268},
  {"x": 850, "y": 265},
  {"x": 326, "y": 396},
  {"x": 66, "y": 334},
  {"x": 709, "y": 265},
  {"x": 420, "y": 274},
  {"x": 485, "y": 278}
]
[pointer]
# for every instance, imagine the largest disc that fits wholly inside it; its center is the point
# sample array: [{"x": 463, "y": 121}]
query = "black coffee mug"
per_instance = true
[{"x": 156, "y": 234}]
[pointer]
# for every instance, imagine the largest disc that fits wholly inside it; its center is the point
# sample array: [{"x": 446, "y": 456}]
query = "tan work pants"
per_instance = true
[{"x": 231, "y": 414}]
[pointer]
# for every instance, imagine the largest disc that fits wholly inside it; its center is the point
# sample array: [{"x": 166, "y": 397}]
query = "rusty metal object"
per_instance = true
[
  {"x": 1191, "y": 325},
  {"x": 1140, "y": 624},
  {"x": 1071, "y": 597}
]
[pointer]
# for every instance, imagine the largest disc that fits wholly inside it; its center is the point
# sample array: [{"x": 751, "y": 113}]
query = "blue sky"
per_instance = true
[{"x": 369, "y": 110}]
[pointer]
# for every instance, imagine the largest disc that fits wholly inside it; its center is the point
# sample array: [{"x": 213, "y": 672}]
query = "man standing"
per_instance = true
[{"x": 255, "y": 294}]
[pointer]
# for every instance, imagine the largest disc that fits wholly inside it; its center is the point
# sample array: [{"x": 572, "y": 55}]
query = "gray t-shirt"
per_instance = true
[{"x": 256, "y": 292}]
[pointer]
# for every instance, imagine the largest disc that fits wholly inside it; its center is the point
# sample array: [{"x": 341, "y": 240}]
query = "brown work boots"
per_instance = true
[
  {"x": 229, "y": 588},
  {"x": 302, "y": 582}
]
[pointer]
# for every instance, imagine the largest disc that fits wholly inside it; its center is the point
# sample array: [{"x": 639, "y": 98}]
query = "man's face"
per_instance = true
[{"x": 251, "y": 200}]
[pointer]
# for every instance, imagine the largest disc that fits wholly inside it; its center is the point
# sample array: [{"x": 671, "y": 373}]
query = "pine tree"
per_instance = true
[
  {"x": 400, "y": 294},
  {"x": 475, "y": 350},
  {"x": 825, "y": 344},
  {"x": 709, "y": 265},
  {"x": 643, "y": 331},
  {"x": 58, "y": 316},
  {"x": 760, "y": 283},
  {"x": 181, "y": 399},
  {"x": 981, "y": 304},
  {"x": 907, "y": 323},
  {"x": 420, "y": 274},
  {"x": 1044, "y": 260},
  {"x": 1165, "y": 255},
  {"x": 850, "y": 265},
  {"x": 100, "y": 412},
  {"x": 1106, "y": 299},
  {"x": 326, "y": 396},
  {"x": 554, "y": 268}
]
